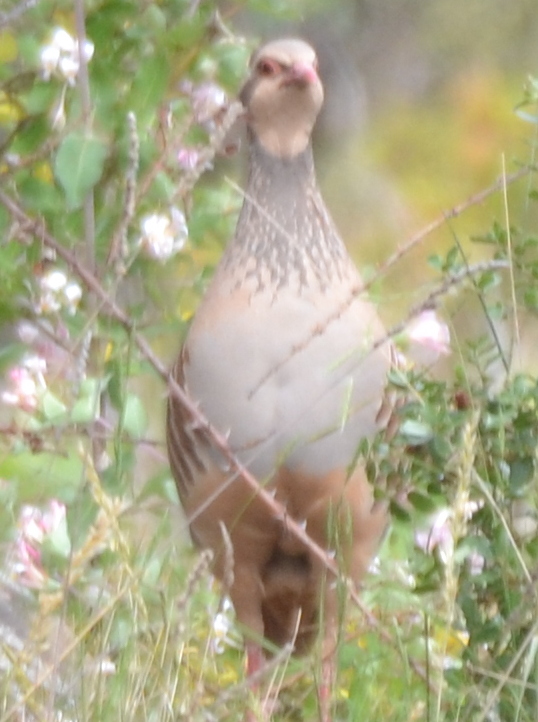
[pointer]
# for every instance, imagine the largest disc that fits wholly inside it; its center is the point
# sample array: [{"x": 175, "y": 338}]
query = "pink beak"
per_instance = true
[{"x": 302, "y": 74}]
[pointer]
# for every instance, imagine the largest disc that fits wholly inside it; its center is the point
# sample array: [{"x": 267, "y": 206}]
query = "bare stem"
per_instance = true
[{"x": 85, "y": 99}]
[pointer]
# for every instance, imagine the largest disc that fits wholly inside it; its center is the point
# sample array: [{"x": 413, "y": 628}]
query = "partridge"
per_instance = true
[{"x": 288, "y": 359}]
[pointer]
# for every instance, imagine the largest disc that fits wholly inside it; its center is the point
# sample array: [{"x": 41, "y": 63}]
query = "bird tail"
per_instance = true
[{"x": 289, "y": 607}]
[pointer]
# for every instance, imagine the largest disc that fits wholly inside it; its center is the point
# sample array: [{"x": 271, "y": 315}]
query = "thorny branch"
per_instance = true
[{"x": 219, "y": 441}]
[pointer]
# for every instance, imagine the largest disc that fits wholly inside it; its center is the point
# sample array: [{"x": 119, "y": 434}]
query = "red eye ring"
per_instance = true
[{"x": 267, "y": 67}]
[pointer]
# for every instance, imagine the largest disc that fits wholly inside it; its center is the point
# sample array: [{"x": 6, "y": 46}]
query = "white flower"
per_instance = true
[
  {"x": 223, "y": 629},
  {"x": 37, "y": 366},
  {"x": 163, "y": 236},
  {"x": 49, "y": 57},
  {"x": 426, "y": 338},
  {"x": 87, "y": 50},
  {"x": 51, "y": 286},
  {"x": 72, "y": 295},
  {"x": 27, "y": 332},
  {"x": 69, "y": 66},
  {"x": 57, "y": 292},
  {"x": 54, "y": 281},
  {"x": 61, "y": 55},
  {"x": 106, "y": 667},
  {"x": 62, "y": 40}
]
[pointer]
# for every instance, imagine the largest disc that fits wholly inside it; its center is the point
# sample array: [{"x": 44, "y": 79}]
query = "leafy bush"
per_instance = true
[{"x": 109, "y": 118}]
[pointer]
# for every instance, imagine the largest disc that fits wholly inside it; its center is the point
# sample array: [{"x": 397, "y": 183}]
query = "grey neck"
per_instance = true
[
  {"x": 284, "y": 224},
  {"x": 269, "y": 173}
]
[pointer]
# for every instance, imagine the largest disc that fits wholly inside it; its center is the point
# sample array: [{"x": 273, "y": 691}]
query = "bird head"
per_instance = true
[{"x": 283, "y": 96}]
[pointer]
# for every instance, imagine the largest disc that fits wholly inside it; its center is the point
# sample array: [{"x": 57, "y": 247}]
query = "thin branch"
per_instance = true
[
  {"x": 505, "y": 678},
  {"x": 52, "y": 669},
  {"x": 83, "y": 82},
  {"x": 517, "y": 339},
  {"x": 17, "y": 12},
  {"x": 489, "y": 320},
  {"x": 118, "y": 247}
]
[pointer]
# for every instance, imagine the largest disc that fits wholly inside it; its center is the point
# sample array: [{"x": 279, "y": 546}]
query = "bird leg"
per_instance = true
[
  {"x": 255, "y": 659},
  {"x": 328, "y": 677},
  {"x": 255, "y": 663}
]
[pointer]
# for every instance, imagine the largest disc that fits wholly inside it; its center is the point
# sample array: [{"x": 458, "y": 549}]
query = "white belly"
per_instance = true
[{"x": 288, "y": 389}]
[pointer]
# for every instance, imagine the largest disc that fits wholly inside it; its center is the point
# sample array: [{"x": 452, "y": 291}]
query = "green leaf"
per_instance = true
[
  {"x": 416, "y": 433},
  {"x": 161, "y": 485},
  {"x": 40, "y": 196},
  {"x": 398, "y": 511},
  {"x": 53, "y": 408},
  {"x": 86, "y": 406},
  {"x": 134, "y": 417},
  {"x": 38, "y": 477},
  {"x": 488, "y": 280},
  {"x": 79, "y": 165},
  {"x": 421, "y": 502},
  {"x": 477, "y": 544},
  {"x": 521, "y": 473},
  {"x": 148, "y": 88},
  {"x": 58, "y": 542}
]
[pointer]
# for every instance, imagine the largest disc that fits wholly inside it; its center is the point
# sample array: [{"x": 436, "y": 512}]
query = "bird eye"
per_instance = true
[{"x": 267, "y": 67}]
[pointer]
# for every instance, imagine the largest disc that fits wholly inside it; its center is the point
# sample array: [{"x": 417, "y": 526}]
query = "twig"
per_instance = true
[
  {"x": 491, "y": 674},
  {"x": 505, "y": 678},
  {"x": 69, "y": 648},
  {"x": 517, "y": 343},
  {"x": 487, "y": 315},
  {"x": 19, "y": 10},
  {"x": 118, "y": 246},
  {"x": 484, "y": 488},
  {"x": 85, "y": 98},
  {"x": 232, "y": 113}
]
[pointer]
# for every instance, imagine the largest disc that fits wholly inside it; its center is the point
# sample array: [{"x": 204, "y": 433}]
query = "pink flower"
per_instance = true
[
  {"x": 476, "y": 563},
  {"x": 208, "y": 100},
  {"x": 53, "y": 517},
  {"x": 427, "y": 338},
  {"x": 26, "y": 383},
  {"x": 438, "y": 535},
  {"x": 34, "y": 527},
  {"x": 188, "y": 158},
  {"x": 27, "y": 564}
]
